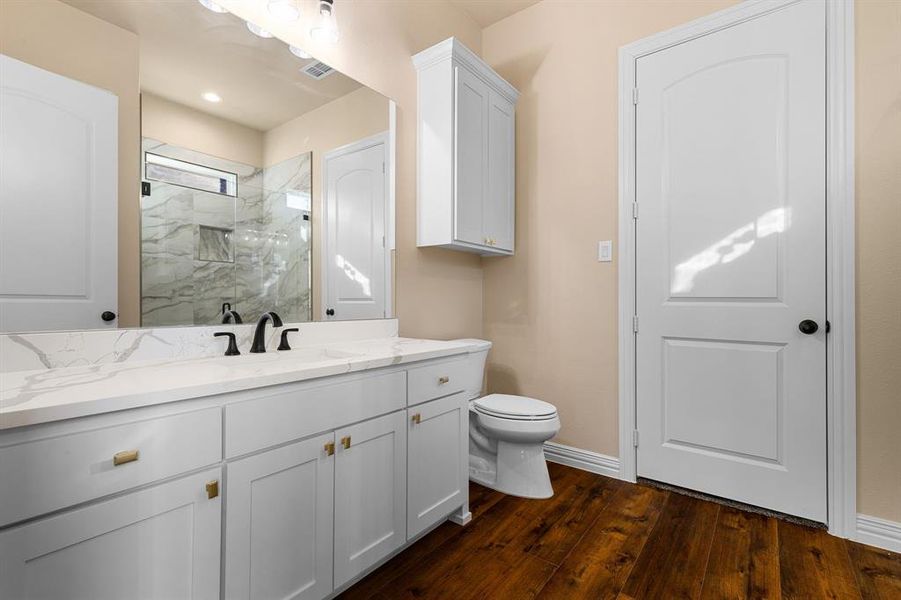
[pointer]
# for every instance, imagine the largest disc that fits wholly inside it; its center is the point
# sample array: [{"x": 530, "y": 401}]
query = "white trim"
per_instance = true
[
  {"x": 881, "y": 533},
  {"x": 390, "y": 223},
  {"x": 454, "y": 49},
  {"x": 388, "y": 140},
  {"x": 841, "y": 396},
  {"x": 585, "y": 460}
]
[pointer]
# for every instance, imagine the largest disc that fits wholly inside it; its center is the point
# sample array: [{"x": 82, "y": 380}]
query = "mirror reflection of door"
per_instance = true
[{"x": 354, "y": 246}]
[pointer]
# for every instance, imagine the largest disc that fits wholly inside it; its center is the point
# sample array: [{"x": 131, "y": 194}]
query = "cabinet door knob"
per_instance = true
[
  {"x": 212, "y": 489},
  {"x": 124, "y": 457},
  {"x": 417, "y": 418},
  {"x": 108, "y": 315},
  {"x": 345, "y": 441},
  {"x": 330, "y": 448},
  {"x": 443, "y": 379}
]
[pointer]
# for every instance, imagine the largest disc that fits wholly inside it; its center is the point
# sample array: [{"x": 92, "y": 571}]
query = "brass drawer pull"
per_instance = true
[
  {"x": 345, "y": 441},
  {"x": 330, "y": 448},
  {"x": 417, "y": 418},
  {"x": 443, "y": 379},
  {"x": 212, "y": 489},
  {"x": 127, "y": 456}
]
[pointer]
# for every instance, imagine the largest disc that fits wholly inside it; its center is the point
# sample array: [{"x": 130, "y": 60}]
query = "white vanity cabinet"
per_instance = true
[
  {"x": 315, "y": 482},
  {"x": 466, "y": 152},
  {"x": 160, "y": 542}
]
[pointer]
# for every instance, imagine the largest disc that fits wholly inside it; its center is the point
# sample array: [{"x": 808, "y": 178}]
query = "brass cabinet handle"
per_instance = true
[
  {"x": 126, "y": 456},
  {"x": 330, "y": 448},
  {"x": 417, "y": 418},
  {"x": 443, "y": 379},
  {"x": 345, "y": 441},
  {"x": 212, "y": 489}
]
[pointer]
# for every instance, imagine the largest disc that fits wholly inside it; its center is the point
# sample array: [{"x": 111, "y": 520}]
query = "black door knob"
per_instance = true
[
  {"x": 107, "y": 315},
  {"x": 330, "y": 312},
  {"x": 808, "y": 327}
]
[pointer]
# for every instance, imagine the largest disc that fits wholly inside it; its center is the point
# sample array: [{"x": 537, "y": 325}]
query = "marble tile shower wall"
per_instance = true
[{"x": 200, "y": 249}]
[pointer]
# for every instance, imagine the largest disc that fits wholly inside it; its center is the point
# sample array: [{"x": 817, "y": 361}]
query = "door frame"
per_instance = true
[
  {"x": 841, "y": 408},
  {"x": 386, "y": 138}
]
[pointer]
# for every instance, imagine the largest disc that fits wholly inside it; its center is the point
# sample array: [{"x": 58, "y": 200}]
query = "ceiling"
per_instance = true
[
  {"x": 186, "y": 50},
  {"x": 488, "y": 12}
]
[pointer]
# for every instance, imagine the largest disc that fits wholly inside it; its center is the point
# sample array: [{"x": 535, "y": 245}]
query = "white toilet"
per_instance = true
[{"x": 506, "y": 439}]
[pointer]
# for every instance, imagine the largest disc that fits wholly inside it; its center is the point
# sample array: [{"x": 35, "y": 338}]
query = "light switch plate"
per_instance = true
[{"x": 605, "y": 251}]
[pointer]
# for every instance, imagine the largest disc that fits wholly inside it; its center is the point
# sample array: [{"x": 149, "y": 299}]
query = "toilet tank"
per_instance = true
[{"x": 475, "y": 367}]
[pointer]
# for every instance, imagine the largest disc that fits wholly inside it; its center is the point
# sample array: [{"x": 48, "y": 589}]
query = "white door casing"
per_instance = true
[
  {"x": 354, "y": 227},
  {"x": 730, "y": 241},
  {"x": 58, "y": 201}
]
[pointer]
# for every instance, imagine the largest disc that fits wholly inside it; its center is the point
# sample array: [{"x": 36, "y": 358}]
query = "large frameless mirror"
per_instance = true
[{"x": 238, "y": 176}]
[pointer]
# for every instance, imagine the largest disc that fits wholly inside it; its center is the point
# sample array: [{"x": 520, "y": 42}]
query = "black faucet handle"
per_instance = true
[
  {"x": 283, "y": 344},
  {"x": 232, "y": 349}
]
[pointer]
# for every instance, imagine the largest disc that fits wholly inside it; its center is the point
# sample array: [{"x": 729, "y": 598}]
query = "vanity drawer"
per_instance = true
[
  {"x": 436, "y": 380},
  {"x": 274, "y": 419},
  {"x": 48, "y": 474}
]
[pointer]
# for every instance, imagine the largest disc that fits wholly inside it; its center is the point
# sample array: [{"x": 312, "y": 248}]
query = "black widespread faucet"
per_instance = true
[
  {"x": 259, "y": 336},
  {"x": 229, "y": 315}
]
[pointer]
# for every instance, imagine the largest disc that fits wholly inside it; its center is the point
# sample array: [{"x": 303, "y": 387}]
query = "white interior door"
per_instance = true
[
  {"x": 354, "y": 246},
  {"x": 730, "y": 241},
  {"x": 58, "y": 193}
]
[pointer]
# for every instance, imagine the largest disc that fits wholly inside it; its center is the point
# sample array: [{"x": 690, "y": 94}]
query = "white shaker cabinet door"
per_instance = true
[
  {"x": 370, "y": 493},
  {"x": 438, "y": 457},
  {"x": 499, "y": 208},
  {"x": 161, "y": 542},
  {"x": 279, "y": 523},
  {"x": 471, "y": 158}
]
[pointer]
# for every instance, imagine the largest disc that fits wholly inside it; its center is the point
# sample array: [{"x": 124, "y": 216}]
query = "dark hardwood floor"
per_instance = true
[{"x": 604, "y": 538}]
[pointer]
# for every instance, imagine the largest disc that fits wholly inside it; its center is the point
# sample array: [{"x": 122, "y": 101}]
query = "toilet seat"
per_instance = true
[{"x": 518, "y": 408}]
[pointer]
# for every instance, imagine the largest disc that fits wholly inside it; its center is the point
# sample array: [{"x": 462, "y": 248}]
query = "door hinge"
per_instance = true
[
  {"x": 383, "y": 167},
  {"x": 635, "y": 210},
  {"x": 383, "y": 241},
  {"x": 635, "y": 95},
  {"x": 635, "y": 438},
  {"x": 635, "y": 323}
]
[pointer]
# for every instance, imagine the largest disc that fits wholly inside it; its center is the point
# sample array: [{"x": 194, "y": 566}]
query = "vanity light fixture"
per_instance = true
[
  {"x": 211, "y": 97},
  {"x": 210, "y": 5},
  {"x": 284, "y": 10},
  {"x": 300, "y": 52},
  {"x": 326, "y": 30},
  {"x": 257, "y": 30}
]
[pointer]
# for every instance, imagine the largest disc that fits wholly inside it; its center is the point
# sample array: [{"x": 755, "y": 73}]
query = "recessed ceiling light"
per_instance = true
[
  {"x": 210, "y": 5},
  {"x": 299, "y": 52},
  {"x": 211, "y": 97},
  {"x": 257, "y": 30},
  {"x": 284, "y": 10}
]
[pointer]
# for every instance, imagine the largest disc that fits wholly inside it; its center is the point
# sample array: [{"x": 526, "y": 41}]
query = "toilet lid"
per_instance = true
[{"x": 514, "y": 407}]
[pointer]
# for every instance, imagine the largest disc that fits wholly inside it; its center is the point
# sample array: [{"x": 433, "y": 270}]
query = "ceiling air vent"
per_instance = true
[{"x": 317, "y": 70}]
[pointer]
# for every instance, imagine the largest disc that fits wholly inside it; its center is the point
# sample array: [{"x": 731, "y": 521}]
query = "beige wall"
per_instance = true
[
  {"x": 61, "y": 39},
  {"x": 551, "y": 309},
  {"x": 438, "y": 292},
  {"x": 180, "y": 125},
  {"x": 878, "y": 72},
  {"x": 357, "y": 115}
]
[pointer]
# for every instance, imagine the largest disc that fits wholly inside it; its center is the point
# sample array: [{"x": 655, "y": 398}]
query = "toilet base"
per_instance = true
[{"x": 521, "y": 470}]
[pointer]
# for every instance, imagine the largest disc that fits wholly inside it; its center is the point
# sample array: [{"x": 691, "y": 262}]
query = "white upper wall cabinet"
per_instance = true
[{"x": 466, "y": 152}]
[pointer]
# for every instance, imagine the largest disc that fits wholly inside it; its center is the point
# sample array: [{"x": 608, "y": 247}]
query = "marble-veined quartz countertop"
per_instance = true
[{"x": 44, "y": 395}]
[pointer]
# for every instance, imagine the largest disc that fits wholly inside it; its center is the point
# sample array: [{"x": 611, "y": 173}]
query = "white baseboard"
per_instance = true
[
  {"x": 881, "y": 533},
  {"x": 586, "y": 460}
]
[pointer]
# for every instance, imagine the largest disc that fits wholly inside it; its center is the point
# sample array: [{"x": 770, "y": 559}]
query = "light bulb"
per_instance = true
[
  {"x": 299, "y": 52},
  {"x": 326, "y": 30},
  {"x": 210, "y": 5},
  {"x": 257, "y": 30},
  {"x": 211, "y": 97},
  {"x": 284, "y": 10}
]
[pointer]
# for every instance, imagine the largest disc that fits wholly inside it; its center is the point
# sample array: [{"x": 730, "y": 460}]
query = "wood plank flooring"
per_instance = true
[{"x": 604, "y": 538}]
